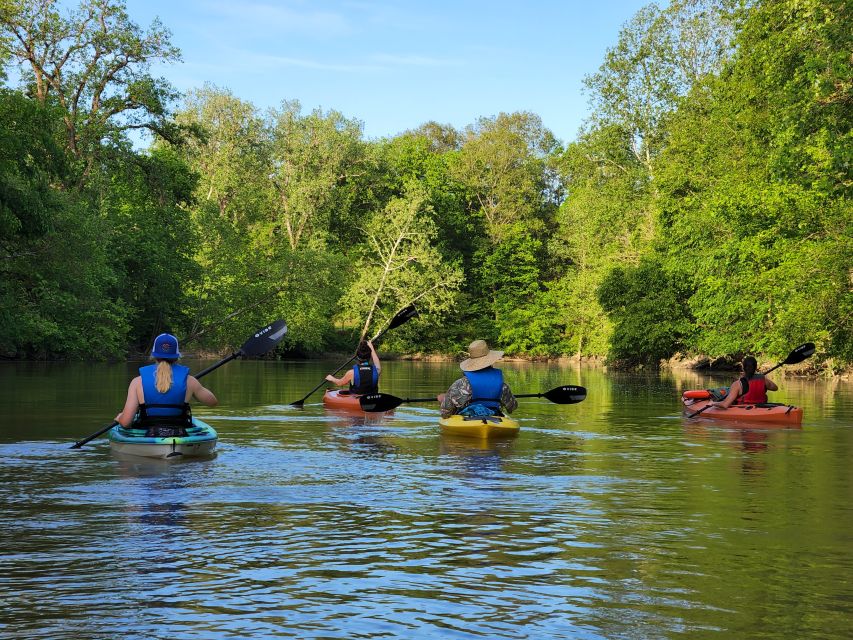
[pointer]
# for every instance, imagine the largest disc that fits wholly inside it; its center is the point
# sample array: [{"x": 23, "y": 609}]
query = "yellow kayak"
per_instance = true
[{"x": 479, "y": 427}]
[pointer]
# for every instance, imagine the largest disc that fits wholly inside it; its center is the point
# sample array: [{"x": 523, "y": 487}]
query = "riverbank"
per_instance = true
[{"x": 811, "y": 368}]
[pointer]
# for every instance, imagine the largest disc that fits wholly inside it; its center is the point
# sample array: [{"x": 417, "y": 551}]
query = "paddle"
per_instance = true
[
  {"x": 402, "y": 317},
  {"x": 378, "y": 402},
  {"x": 795, "y": 357},
  {"x": 263, "y": 340}
]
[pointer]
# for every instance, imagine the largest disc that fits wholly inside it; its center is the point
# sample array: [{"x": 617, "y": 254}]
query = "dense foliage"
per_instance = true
[{"x": 703, "y": 208}]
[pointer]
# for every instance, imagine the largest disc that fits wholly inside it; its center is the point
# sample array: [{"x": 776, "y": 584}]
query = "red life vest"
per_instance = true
[{"x": 756, "y": 393}]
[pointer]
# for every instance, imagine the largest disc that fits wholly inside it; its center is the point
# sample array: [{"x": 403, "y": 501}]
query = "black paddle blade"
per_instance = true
[
  {"x": 264, "y": 339},
  {"x": 379, "y": 402},
  {"x": 568, "y": 394},
  {"x": 403, "y": 316},
  {"x": 800, "y": 353}
]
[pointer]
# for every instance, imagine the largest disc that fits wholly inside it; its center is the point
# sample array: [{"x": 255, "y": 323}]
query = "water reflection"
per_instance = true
[
  {"x": 613, "y": 518},
  {"x": 751, "y": 441},
  {"x": 480, "y": 458}
]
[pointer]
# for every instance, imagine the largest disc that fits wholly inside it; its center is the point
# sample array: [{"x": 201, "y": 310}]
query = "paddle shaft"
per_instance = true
[
  {"x": 434, "y": 398},
  {"x": 377, "y": 402}
]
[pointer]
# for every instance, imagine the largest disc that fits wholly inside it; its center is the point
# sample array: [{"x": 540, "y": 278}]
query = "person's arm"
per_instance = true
[
  {"x": 735, "y": 391},
  {"x": 507, "y": 399},
  {"x": 457, "y": 397},
  {"x": 346, "y": 379},
  {"x": 770, "y": 385},
  {"x": 374, "y": 357},
  {"x": 203, "y": 395},
  {"x": 131, "y": 404}
]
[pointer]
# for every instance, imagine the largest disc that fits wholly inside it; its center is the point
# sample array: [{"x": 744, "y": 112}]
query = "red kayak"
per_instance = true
[
  {"x": 341, "y": 399},
  {"x": 697, "y": 400}
]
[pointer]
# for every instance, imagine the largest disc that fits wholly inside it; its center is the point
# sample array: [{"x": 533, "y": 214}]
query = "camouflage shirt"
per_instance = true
[{"x": 459, "y": 396}]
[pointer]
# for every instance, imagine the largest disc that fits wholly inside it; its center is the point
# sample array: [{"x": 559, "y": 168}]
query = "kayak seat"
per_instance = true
[
  {"x": 718, "y": 394},
  {"x": 157, "y": 426}
]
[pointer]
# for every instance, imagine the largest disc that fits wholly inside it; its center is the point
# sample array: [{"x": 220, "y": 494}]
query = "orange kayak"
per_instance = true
[
  {"x": 341, "y": 399},
  {"x": 765, "y": 412}
]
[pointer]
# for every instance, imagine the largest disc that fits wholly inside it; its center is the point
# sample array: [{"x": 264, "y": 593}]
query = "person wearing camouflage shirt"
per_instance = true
[{"x": 481, "y": 390}]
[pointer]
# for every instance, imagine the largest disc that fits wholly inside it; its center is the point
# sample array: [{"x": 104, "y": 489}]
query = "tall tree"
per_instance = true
[
  {"x": 755, "y": 186},
  {"x": 55, "y": 271},
  {"x": 660, "y": 54},
  {"x": 505, "y": 163},
  {"x": 95, "y": 63},
  {"x": 399, "y": 265},
  {"x": 316, "y": 159}
]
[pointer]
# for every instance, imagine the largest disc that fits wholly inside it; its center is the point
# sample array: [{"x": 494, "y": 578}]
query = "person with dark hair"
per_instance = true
[
  {"x": 481, "y": 390},
  {"x": 166, "y": 385},
  {"x": 363, "y": 378},
  {"x": 751, "y": 388}
]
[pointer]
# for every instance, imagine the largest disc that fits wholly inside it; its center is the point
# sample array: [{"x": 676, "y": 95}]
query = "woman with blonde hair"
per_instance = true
[{"x": 164, "y": 389}]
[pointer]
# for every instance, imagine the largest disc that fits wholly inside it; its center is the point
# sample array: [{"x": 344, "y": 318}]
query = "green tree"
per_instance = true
[
  {"x": 399, "y": 265},
  {"x": 95, "y": 64},
  {"x": 505, "y": 163},
  {"x": 755, "y": 202},
  {"x": 316, "y": 160},
  {"x": 48, "y": 308},
  {"x": 660, "y": 54},
  {"x": 649, "y": 310},
  {"x": 145, "y": 204}
]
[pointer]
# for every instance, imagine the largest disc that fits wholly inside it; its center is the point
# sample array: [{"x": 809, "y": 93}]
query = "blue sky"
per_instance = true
[{"x": 395, "y": 65}]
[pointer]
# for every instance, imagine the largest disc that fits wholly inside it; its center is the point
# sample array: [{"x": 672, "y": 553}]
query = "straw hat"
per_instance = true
[{"x": 481, "y": 357}]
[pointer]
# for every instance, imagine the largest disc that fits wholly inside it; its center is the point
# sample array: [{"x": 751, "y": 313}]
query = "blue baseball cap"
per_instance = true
[{"x": 166, "y": 347}]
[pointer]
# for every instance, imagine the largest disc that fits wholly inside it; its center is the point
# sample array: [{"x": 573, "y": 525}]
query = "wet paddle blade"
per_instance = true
[
  {"x": 379, "y": 402},
  {"x": 264, "y": 339},
  {"x": 800, "y": 353},
  {"x": 567, "y": 394},
  {"x": 403, "y": 316}
]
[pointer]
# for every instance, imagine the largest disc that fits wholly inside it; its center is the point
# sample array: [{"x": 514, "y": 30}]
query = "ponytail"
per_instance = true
[
  {"x": 749, "y": 366},
  {"x": 163, "y": 376}
]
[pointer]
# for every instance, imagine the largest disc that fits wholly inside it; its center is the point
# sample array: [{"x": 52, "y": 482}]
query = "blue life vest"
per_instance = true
[
  {"x": 176, "y": 396},
  {"x": 486, "y": 386},
  {"x": 365, "y": 378}
]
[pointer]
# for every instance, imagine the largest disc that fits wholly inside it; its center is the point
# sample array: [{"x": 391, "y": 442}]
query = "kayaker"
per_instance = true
[
  {"x": 363, "y": 378},
  {"x": 163, "y": 383},
  {"x": 751, "y": 388},
  {"x": 481, "y": 390}
]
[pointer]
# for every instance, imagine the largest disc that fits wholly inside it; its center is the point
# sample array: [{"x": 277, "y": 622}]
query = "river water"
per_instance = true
[{"x": 612, "y": 518}]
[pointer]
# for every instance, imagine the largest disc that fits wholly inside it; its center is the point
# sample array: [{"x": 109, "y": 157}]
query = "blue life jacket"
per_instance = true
[
  {"x": 176, "y": 396},
  {"x": 365, "y": 378},
  {"x": 486, "y": 387}
]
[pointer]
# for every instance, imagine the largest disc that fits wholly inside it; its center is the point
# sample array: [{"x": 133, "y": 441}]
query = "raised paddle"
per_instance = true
[
  {"x": 378, "y": 402},
  {"x": 402, "y": 317},
  {"x": 795, "y": 357},
  {"x": 263, "y": 340}
]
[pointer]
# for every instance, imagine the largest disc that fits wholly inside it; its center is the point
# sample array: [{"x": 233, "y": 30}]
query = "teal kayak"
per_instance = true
[{"x": 199, "y": 441}]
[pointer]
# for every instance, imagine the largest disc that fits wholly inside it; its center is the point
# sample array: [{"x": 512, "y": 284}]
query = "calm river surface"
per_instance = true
[{"x": 613, "y": 518}]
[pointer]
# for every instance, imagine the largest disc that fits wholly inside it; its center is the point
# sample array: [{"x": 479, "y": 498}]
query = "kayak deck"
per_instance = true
[
  {"x": 479, "y": 426},
  {"x": 342, "y": 399},
  {"x": 200, "y": 441}
]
